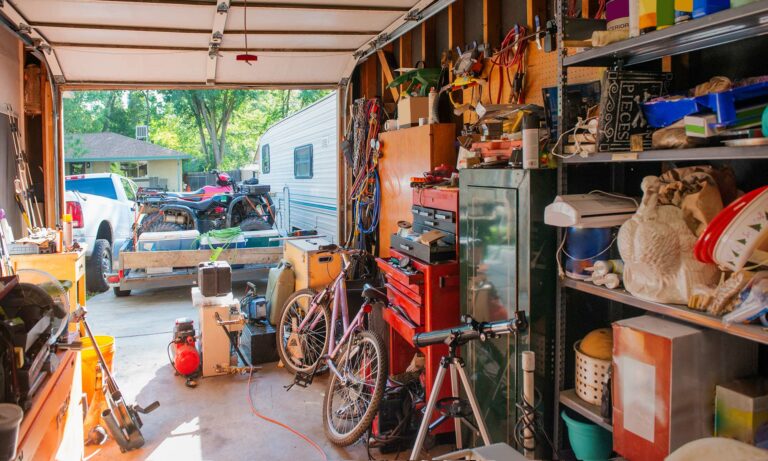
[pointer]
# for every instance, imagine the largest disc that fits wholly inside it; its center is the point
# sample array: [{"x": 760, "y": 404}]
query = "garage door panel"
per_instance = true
[
  {"x": 291, "y": 19},
  {"x": 282, "y": 68},
  {"x": 336, "y": 42},
  {"x": 116, "y": 13},
  {"x": 98, "y": 65},
  {"x": 124, "y": 37}
]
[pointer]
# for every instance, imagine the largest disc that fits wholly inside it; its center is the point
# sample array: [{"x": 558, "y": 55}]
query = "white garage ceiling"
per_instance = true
[{"x": 188, "y": 43}]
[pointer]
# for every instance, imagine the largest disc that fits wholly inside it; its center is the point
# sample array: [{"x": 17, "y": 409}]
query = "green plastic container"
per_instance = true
[{"x": 590, "y": 442}]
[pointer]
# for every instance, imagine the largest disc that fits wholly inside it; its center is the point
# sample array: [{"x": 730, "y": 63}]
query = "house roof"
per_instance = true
[{"x": 107, "y": 146}]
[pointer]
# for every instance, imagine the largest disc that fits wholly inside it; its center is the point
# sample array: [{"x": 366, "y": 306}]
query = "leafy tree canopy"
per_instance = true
[{"x": 219, "y": 128}]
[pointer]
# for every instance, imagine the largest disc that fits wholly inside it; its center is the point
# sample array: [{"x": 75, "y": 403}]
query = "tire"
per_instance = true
[
  {"x": 291, "y": 310},
  {"x": 149, "y": 220},
  {"x": 121, "y": 293},
  {"x": 365, "y": 341},
  {"x": 98, "y": 266},
  {"x": 254, "y": 224},
  {"x": 162, "y": 226}
]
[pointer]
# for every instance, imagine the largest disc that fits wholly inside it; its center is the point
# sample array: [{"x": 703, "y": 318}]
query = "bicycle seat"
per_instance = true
[{"x": 372, "y": 293}]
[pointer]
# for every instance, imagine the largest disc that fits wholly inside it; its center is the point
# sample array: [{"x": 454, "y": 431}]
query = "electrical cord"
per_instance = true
[{"x": 529, "y": 421}]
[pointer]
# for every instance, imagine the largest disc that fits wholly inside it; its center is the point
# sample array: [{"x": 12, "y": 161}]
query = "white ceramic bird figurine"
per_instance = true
[{"x": 657, "y": 248}]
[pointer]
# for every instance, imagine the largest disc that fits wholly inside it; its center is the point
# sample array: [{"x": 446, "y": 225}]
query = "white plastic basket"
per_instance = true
[{"x": 590, "y": 376}]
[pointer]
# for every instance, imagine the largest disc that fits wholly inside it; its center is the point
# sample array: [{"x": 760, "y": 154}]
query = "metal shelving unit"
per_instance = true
[
  {"x": 695, "y": 154},
  {"x": 721, "y": 28},
  {"x": 751, "y": 332},
  {"x": 717, "y": 29},
  {"x": 591, "y": 412}
]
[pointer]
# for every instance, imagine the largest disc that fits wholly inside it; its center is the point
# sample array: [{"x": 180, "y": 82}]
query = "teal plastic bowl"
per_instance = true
[{"x": 590, "y": 442}]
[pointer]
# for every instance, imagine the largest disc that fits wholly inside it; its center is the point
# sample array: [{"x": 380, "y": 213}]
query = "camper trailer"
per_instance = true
[{"x": 298, "y": 159}]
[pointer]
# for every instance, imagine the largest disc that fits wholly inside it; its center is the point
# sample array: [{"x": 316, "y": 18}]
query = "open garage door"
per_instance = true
[{"x": 191, "y": 43}]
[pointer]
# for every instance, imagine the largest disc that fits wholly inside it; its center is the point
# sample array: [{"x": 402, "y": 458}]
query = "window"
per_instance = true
[
  {"x": 302, "y": 162},
  {"x": 95, "y": 186},
  {"x": 265, "y": 163},
  {"x": 130, "y": 193},
  {"x": 77, "y": 168},
  {"x": 130, "y": 169}
]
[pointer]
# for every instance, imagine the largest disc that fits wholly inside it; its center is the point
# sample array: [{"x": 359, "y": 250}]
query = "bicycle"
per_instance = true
[{"x": 309, "y": 344}]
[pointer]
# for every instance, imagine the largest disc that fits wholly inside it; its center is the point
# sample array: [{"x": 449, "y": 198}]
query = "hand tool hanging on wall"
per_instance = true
[{"x": 23, "y": 186}]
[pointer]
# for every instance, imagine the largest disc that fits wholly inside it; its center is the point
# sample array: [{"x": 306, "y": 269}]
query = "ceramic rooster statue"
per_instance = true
[{"x": 657, "y": 248}]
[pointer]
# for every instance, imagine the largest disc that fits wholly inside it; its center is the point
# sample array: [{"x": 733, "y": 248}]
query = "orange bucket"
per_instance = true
[{"x": 91, "y": 361}]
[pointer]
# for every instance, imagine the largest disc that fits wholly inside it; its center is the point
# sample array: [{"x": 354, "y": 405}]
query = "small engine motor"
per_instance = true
[{"x": 185, "y": 357}]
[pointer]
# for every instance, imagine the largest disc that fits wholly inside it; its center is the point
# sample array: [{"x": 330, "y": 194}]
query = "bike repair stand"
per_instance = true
[{"x": 451, "y": 407}]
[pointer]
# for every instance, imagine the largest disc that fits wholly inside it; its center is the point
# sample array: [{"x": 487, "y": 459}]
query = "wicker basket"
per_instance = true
[{"x": 590, "y": 375}]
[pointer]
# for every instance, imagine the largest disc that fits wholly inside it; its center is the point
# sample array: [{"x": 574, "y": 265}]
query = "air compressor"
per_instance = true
[{"x": 182, "y": 351}]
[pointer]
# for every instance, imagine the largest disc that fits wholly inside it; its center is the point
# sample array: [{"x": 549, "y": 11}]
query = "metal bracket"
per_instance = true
[
  {"x": 222, "y": 7},
  {"x": 414, "y": 15}
]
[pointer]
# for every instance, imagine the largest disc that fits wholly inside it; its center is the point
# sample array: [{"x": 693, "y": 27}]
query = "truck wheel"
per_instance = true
[
  {"x": 254, "y": 224},
  {"x": 98, "y": 266},
  {"x": 162, "y": 226},
  {"x": 121, "y": 293}
]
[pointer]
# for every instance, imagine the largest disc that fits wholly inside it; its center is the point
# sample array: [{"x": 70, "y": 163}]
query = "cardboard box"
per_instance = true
[
  {"x": 741, "y": 411},
  {"x": 409, "y": 110},
  {"x": 664, "y": 378}
]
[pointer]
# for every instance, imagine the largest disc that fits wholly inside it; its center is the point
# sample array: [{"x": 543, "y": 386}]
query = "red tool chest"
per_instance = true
[{"x": 425, "y": 300}]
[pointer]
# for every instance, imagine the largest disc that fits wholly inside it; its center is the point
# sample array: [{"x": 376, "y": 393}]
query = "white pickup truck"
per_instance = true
[{"x": 102, "y": 208}]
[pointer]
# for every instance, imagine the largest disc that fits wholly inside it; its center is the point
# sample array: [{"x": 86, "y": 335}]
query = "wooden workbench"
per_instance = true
[{"x": 64, "y": 266}]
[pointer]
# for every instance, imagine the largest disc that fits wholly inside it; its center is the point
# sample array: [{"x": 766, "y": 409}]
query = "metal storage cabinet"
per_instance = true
[{"x": 507, "y": 257}]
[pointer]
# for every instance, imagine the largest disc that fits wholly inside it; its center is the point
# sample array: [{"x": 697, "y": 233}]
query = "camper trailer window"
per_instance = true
[
  {"x": 302, "y": 162},
  {"x": 265, "y": 163}
]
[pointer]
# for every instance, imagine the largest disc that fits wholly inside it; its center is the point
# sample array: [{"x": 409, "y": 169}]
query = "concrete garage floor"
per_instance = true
[{"x": 212, "y": 421}]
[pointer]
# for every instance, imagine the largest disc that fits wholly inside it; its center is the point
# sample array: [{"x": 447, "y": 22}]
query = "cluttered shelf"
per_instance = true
[
  {"x": 691, "y": 154},
  {"x": 712, "y": 30},
  {"x": 751, "y": 332},
  {"x": 570, "y": 399}
]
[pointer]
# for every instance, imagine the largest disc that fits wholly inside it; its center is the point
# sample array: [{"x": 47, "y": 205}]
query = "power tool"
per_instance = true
[{"x": 182, "y": 351}]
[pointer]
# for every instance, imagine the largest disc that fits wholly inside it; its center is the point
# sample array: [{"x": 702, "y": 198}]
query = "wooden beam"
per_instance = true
[
  {"x": 368, "y": 80},
  {"x": 388, "y": 75},
  {"x": 429, "y": 42},
  {"x": 176, "y": 30},
  {"x": 191, "y": 258},
  {"x": 405, "y": 49},
  {"x": 492, "y": 22},
  {"x": 538, "y": 8},
  {"x": 456, "y": 24},
  {"x": 48, "y": 151}
]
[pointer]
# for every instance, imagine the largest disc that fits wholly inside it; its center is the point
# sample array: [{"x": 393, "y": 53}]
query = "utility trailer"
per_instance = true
[{"x": 139, "y": 270}]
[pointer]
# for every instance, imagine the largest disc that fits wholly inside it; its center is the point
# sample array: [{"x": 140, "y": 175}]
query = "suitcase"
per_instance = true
[
  {"x": 258, "y": 343},
  {"x": 280, "y": 286},
  {"x": 214, "y": 278}
]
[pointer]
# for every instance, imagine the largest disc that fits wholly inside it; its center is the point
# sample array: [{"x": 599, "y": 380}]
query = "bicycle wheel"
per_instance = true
[
  {"x": 349, "y": 409},
  {"x": 300, "y": 350}
]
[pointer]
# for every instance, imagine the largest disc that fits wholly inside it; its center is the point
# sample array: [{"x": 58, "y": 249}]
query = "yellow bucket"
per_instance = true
[{"x": 91, "y": 361}]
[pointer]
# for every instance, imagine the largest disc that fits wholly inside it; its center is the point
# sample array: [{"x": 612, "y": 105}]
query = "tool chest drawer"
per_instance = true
[
  {"x": 427, "y": 253},
  {"x": 450, "y": 235},
  {"x": 400, "y": 325},
  {"x": 440, "y": 199},
  {"x": 413, "y": 280},
  {"x": 412, "y": 309},
  {"x": 422, "y": 212},
  {"x": 413, "y": 292}
]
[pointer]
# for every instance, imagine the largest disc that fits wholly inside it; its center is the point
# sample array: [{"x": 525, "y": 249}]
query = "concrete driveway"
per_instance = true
[{"x": 212, "y": 421}]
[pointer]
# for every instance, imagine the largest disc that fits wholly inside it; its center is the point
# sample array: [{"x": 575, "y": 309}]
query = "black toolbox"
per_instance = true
[
  {"x": 258, "y": 343},
  {"x": 427, "y": 253}
]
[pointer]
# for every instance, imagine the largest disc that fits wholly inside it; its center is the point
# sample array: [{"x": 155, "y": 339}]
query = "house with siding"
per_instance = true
[{"x": 146, "y": 163}]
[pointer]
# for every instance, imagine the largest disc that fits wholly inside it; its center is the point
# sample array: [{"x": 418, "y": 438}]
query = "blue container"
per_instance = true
[
  {"x": 583, "y": 247},
  {"x": 705, "y": 7},
  {"x": 590, "y": 442}
]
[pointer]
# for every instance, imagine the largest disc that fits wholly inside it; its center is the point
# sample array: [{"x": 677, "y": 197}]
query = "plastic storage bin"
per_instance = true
[
  {"x": 590, "y": 442},
  {"x": 261, "y": 238},
  {"x": 168, "y": 241}
]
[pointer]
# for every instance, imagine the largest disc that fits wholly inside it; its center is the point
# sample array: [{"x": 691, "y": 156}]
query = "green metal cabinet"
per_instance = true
[{"x": 507, "y": 257}]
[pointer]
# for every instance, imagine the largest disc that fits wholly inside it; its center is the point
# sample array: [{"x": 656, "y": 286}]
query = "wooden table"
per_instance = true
[{"x": 64, "y": 266}]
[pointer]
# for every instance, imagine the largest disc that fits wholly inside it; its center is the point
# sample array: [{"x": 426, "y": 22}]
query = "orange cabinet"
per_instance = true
[
  {"x": 404, "y": 154},
  {"x": 52, "y": 428}
]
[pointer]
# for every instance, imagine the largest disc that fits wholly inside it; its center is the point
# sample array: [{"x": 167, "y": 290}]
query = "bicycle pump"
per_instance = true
[{"x": 454, "y": 407}]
